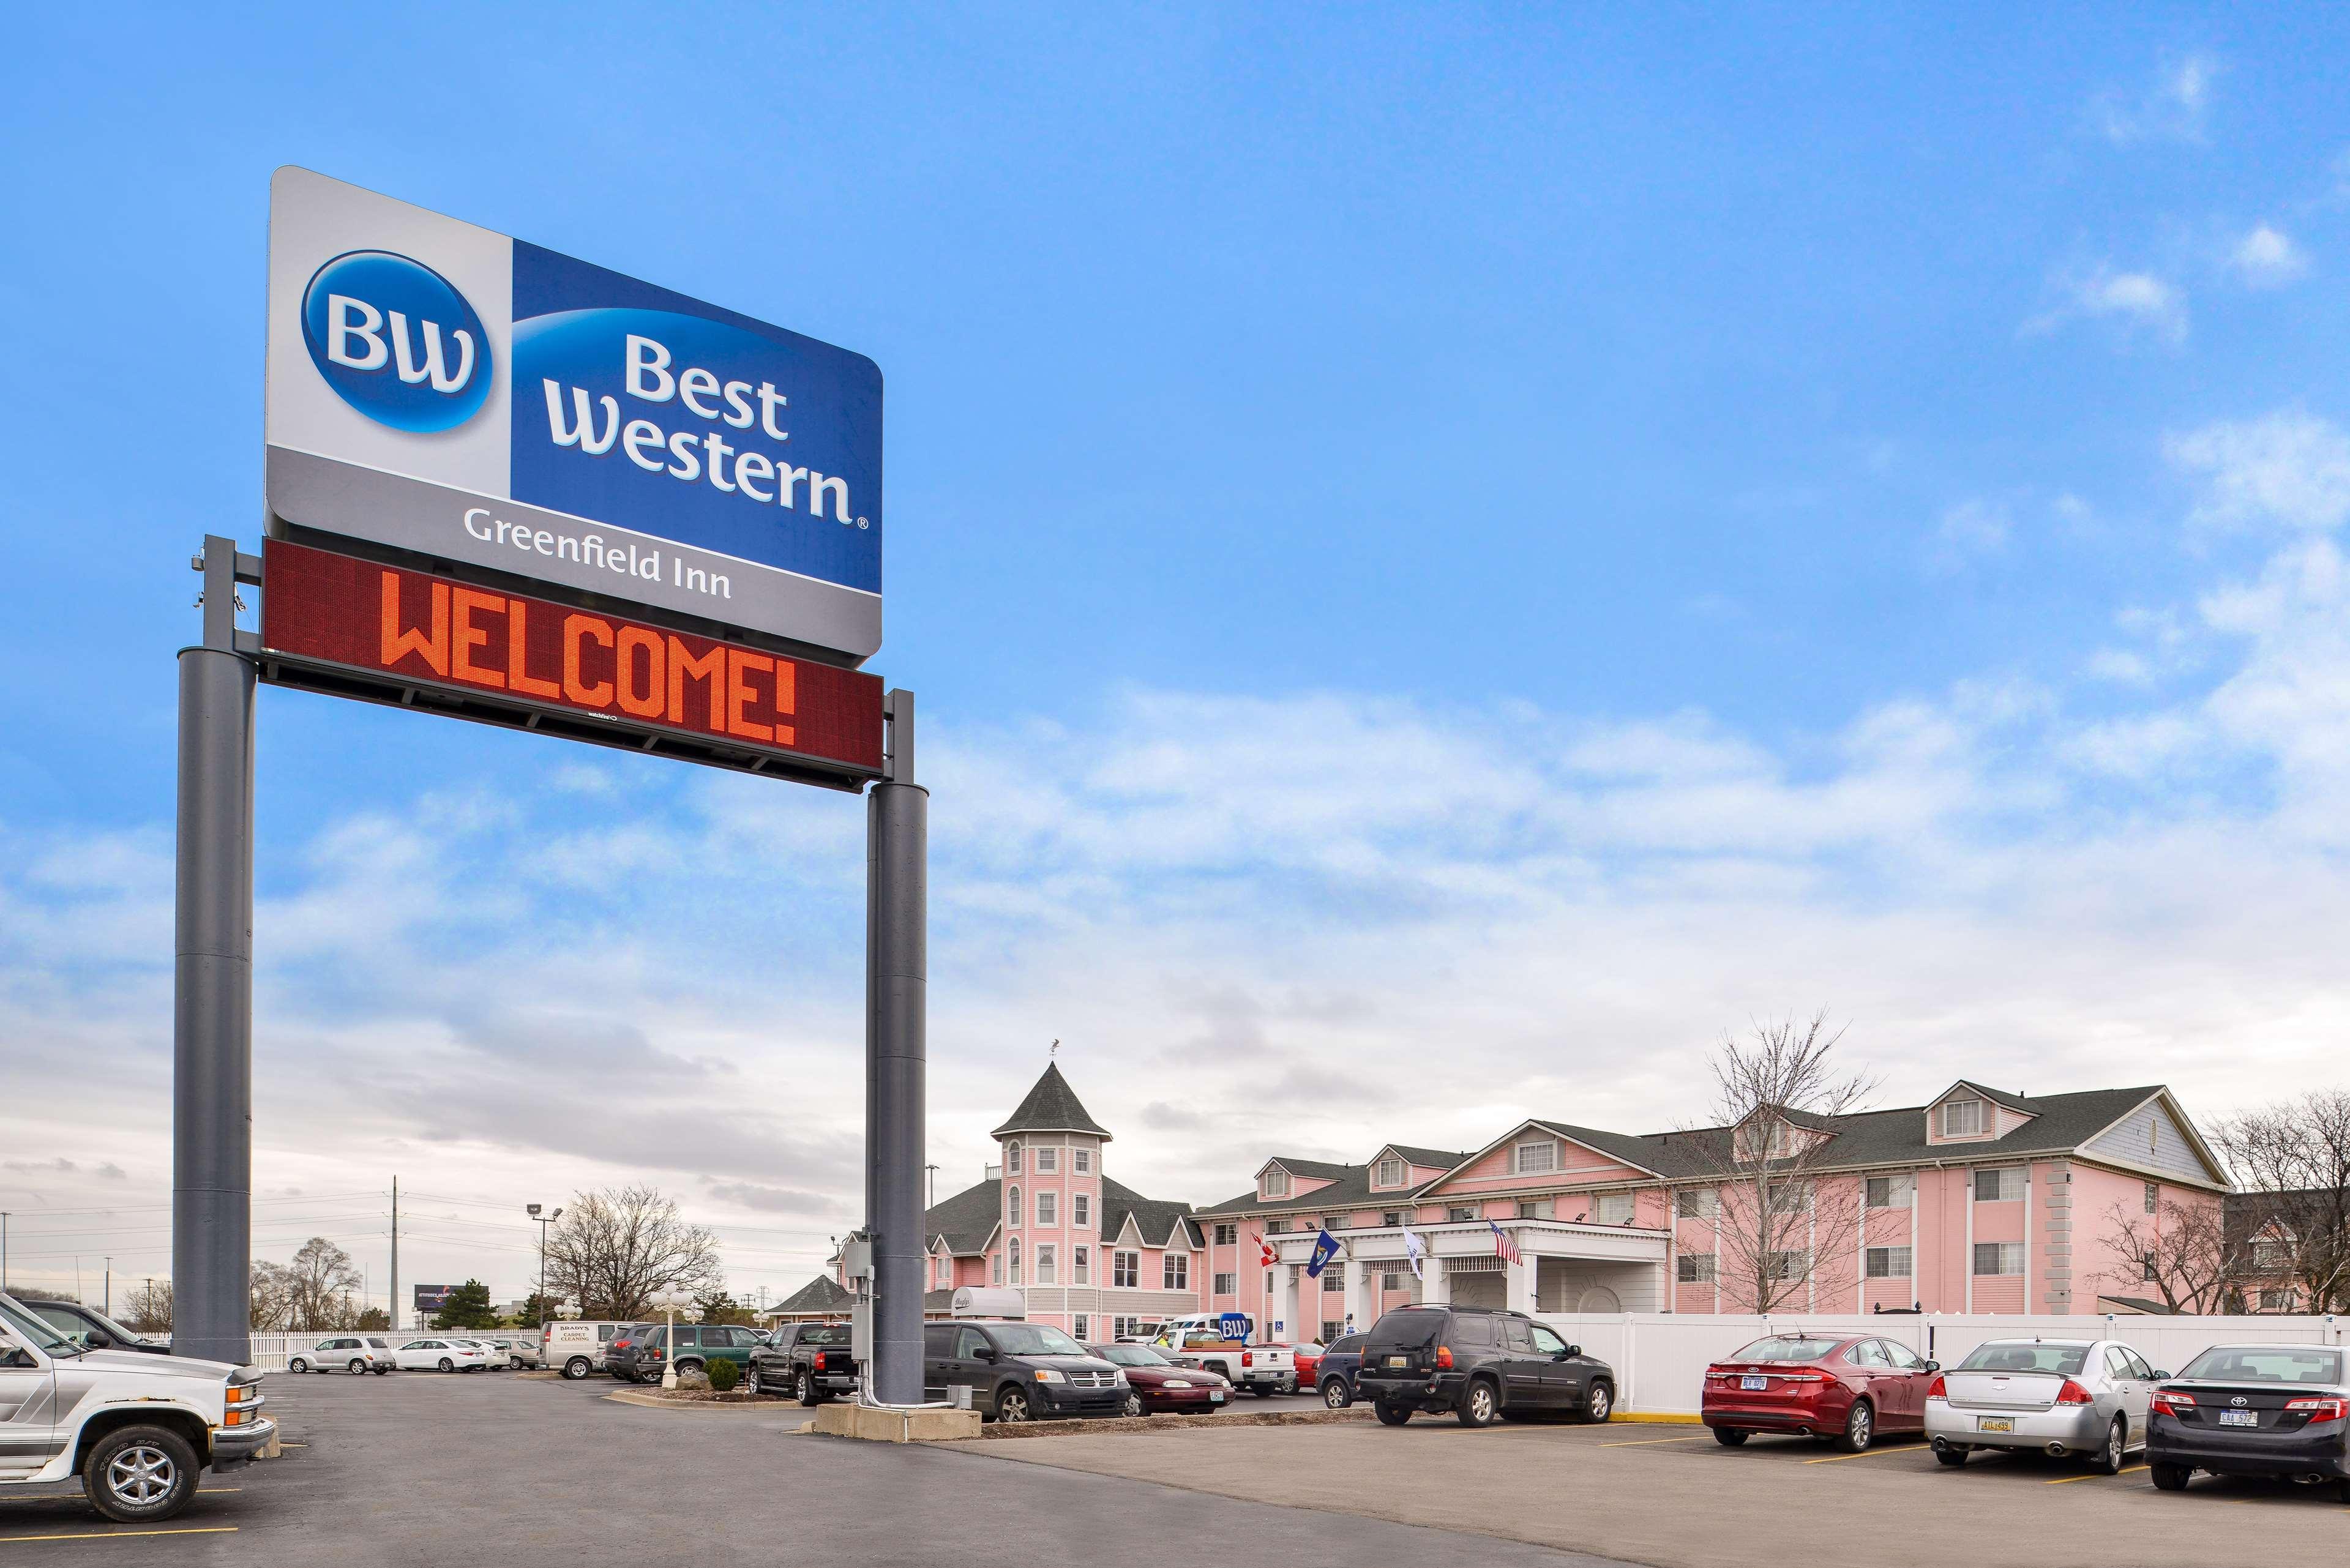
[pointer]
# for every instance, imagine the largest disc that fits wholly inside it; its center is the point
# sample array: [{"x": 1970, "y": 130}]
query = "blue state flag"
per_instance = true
[{"x": 1325, "y": 1247}]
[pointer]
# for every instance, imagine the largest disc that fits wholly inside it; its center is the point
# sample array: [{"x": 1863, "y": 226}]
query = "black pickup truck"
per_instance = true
[{"x": 810, "y": 1361}]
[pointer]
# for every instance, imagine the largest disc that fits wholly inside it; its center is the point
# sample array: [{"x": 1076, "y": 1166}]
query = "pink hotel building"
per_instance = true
[{"x": 1976, "y": 1202}]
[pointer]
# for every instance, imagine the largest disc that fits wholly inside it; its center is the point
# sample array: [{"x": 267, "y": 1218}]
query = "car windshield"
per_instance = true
[
  {"x": 1788, "y": 1347},
  {"x": 1130, "y": 1355},
  {"x": 2026, "y": 1356},
  {"x": 26, "y": 1326},
  {"x": 1033, "y": 1339},
  {"x": 2266, "y": 1364}
]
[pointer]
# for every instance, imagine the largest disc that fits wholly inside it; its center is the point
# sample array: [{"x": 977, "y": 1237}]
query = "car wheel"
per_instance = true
[
  {"x": 1262, "y": 1390},
  {"x": 1133, "y": 1404},
  {"x": 2107, "y": 1460},
  {"x": 1730, "y": 1437},
  {"x": 803, "y": 1388},
  {"x": 1859, "y": 1426},
  {"x": 1393, "y": 1415},
  {"x": 138, "y": 1474},
  {"x": 297, "y": 1365},
  {"x": 1335, "y": 1394},
  {"x": 576, "y": 1368},
  {"x": 2170, "y": 1477},
  {"x": 1480, "y": 1406},
  {"x": 1953, "y": 1458},
  {"x": 447, "y": 1365},
  {"x": 1012, "y": 1405},
  {"x": 358, "y": 1367},
  {"x": 683, "y": 1367},
  {"x": 383, "y": 1372},
  {"x": 1599, "y": 1403},
  {"x": 751, "y": 1380}
]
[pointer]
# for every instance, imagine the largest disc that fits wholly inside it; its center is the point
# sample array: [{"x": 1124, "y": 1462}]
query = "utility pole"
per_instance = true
[
  {"x": 897, "y": 1048},
  {"x": 395, "y": 1254},
  {"x": 4, "y": 1249},
  {"x": 109, "y": 1308}
]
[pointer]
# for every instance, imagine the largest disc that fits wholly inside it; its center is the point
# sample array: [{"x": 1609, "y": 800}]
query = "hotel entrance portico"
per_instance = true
[{"x": 1563, "y": 1267}]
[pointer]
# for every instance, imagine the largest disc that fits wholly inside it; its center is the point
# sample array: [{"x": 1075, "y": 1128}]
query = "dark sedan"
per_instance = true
[
  {"x": 2253, "y": 1410},
  {"x": 1155, "y": 1384}
]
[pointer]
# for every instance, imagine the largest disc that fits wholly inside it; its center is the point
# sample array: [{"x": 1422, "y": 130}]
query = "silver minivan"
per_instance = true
[{"x": 2062, "y": 1396}]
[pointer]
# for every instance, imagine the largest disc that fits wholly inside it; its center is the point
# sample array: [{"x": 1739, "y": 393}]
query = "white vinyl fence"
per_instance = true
[
  {"x": 1660, "y": 1358},
  {"x": 270, "y": 1351}
]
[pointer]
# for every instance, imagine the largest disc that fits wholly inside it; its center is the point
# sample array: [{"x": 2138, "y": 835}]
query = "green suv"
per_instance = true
[{"x": 698, "y": 1344}]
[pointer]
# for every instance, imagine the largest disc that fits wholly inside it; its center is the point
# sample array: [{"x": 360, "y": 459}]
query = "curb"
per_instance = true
[
  {"x": 655, "y": 1402},
  {"x": 1136, "y": 1426}
]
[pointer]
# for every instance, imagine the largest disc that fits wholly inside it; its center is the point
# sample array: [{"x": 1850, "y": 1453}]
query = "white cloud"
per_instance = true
[
  {"x": 2174, "y": 106},
  {"x": 2289, "y": 467},
  {"x": 1972, "y": 528},
  {"x": 2138, "y": 303},
  {"x": 2266, "y": 257}
]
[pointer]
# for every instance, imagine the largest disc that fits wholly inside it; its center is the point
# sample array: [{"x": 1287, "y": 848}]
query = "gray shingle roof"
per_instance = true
[
  {"x": 1052, "y": 1107},
  {"x": 822, "y": 1294},
  {"x": 967, "y": 1218},
  {"x": 1155, "y": 1218},
  {"x": 1441, "y": 1159}
]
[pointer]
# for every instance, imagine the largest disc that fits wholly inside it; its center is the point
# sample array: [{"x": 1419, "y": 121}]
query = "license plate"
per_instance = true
[
  {"x": 1994, "y": 1423},
  {"x": 2239, "y": 1417},
  {"x": 1753, "y": 1383},
  {"x": 1394, "y": 1361},
  {"x": 1216, "y": 1396}
]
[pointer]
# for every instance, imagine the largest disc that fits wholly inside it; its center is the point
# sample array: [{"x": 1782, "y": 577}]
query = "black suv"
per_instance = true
[
  {"x": 1483, "y": 1365},
  {"x": 810, "y": 1361},
  {"x": 1019, "y": 1371}
]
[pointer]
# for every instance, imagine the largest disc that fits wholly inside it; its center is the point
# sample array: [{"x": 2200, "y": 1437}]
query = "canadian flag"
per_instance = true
[{"x": 1264, "y": 1250}]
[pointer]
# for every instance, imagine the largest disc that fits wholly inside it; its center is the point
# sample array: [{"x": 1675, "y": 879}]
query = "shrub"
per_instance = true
[{"x": 723, "y": 1375}]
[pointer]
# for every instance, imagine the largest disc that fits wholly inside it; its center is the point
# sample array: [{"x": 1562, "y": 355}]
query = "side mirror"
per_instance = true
[
  {"x": 99, "y": 1339},
  {"x": 1933, "y": 1367},
  {"x": 986, "y": 1353},
  {"x": 1574, "y": 1350},
  {"x": 2159, "y": 1374}
]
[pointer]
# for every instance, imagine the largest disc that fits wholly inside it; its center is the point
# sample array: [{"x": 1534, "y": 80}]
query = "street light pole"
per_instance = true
[{"x": 544, "y": 1222}]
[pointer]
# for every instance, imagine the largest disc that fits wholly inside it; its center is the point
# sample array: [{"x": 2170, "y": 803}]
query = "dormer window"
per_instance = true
[
  {"x": 1274, "y": 1183},
  {"x": 1536, "y": 1157},
  {"x": 1390, "y": 1172},
  {"x": 1776, "y": 1141},
  {"x": 1962, "y": 1118}
]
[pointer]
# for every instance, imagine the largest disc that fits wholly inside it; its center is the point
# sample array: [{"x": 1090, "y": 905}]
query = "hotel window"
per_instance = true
[
  {"x": 1390, "y": 1171},
  {"x": 995, "y": 1266},
  {"x": 1227, "y": 1234},
  {"x": 1334, "y": 1222},
  {"x": 1333, "y": 1283},
  {"x": 1962, "y": 1118},
  {"x": 1084, "y": 1160},
  {"x": 1390, "y": 1217},
  {"x": 2005, "y": 1185},
  {"x": 2153, "y": 1196},
  {"x": 1458, "y": 1213},
  {"x": 1274, "y": 1184},
  {"x": 1697, "y": 1203},
  {"x": 1999, "y": 1257},
  {"x": 1048, "y": 1160},
  {"x": 1888, "y": 1262},
  {"x": 1788, "y": 1265},
  {"x": 1120, "y": 1327},
  {"x": 1276, "y": 1227},
  {"x": 1693, "y": 1269},
  {"x": 1078, "y": 1326},
  {"x": 1175, "y": 1272},
  {"x": 1537, "y": 1208},
  {"x": 1081, "y": 1270},
  {"x": 2276, "y": 1301},
  {"x": 1012, "y": 1207},
  {"x": 1048, "y": 1207},
  {"x": 1012, "y": 1159},
  {"x": 1228, "y": 1284},
  {"x": 1891, "y": 1192},
  {"x": 1126, "y": 1269},
  {"x": 1391, "y": 1281},
  {"x": 1081, "y": 1210},
  {"x": 1536, "y": 1157},
  {"x": 1016, "y": 1260},
  {"x": 1615, "y": 1208},
  {"x": 1787, "y": 1198},
  {"x": 1048, "y": 1271}
]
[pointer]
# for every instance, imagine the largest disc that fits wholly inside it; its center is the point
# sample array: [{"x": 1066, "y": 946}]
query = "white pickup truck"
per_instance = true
[
  {"x": 1264, "y": 1370},
  {"x": 137, "y": 1427}
]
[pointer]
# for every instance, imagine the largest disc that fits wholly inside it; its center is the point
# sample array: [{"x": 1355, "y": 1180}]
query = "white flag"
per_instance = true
[{"x": 1414, "y": 1248}]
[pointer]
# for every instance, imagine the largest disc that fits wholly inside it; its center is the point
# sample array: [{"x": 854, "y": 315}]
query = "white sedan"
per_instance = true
[{"x": 442, "y": 1356}]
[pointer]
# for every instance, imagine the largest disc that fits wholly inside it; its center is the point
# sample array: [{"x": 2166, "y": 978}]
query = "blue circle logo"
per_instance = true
[{"x": 396, "y": 341}]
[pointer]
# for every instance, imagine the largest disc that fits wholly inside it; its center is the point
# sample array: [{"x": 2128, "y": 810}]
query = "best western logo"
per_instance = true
[{"x": 396, "y": 341}]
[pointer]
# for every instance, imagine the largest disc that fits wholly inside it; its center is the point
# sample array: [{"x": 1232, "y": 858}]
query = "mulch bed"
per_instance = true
[{"x": 1133, "y": 1425}]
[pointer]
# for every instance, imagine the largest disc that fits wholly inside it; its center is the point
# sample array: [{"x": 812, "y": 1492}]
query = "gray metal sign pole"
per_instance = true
[
  {"x": 211, "y": 1014},
  {"x": 896, "y": 995}
]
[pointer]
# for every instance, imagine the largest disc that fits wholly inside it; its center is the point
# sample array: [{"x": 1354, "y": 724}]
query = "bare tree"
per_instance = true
[
  {"x": 2292, "y": 1160},
  {"x": 613, "y": 1251},
  {"x": 1783, "y": 1225},
  {"x": 272, "y": 1289},
  {"x": 148, "y": 1308},
  {"x": 2183, "y": 1254},
  {"x": 318, "y": 1283}
]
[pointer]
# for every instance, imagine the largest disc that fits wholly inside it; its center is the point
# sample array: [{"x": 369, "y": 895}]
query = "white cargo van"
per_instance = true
[{"x": 577, "y": 1348}]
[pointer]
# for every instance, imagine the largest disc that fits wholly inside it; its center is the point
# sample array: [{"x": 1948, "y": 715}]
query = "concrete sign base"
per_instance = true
[{"x": 940, "y": 1426}]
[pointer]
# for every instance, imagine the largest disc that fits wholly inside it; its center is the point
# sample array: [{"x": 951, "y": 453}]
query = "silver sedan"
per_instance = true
[{"x": 2060, "y": 1396}]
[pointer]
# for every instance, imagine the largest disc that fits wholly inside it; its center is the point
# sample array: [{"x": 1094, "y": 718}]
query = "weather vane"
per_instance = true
[{"x": 1052, "y": 1050}]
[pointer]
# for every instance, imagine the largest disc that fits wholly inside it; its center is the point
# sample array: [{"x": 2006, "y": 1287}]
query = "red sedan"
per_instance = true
[
  {"x": 1844, "y": 1390},
  {"x": 1154, "y": 1384},
  {"x": 1309, "y": 1362}
]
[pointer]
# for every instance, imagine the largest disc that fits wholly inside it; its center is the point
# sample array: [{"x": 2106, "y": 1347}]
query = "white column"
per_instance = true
[
  {"x": 1434, "y": 1288},
  {"x": 1284, "y": 1303},
  {"x": 1518, "y": 1284},
  {"x": 1357, "y": 1306}
]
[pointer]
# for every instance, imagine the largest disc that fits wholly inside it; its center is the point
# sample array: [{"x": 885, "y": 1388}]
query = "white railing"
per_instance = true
[{"x": 1659, "y": 1359}]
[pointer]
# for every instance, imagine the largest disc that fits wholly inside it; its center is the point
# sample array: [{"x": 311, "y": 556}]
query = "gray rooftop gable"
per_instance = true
[{"x": 1052, "y": 1107}]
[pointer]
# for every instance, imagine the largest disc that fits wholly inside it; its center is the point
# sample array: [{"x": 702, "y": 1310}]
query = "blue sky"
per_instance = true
[{"x": 1514, "y": 537}]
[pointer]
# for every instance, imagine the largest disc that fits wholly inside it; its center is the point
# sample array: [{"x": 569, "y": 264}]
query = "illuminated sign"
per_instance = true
[
  {"x": 432, "y": 1298},
  {"x": 477, "y": 400},
  {"x": 391, "y": 633}
]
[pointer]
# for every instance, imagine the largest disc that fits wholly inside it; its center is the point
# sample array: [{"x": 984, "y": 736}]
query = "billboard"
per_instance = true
[
  {"x": 432, "y": 1298},
  {"x": 412, "y": 631},
  {"x": 476, "y": 400}
]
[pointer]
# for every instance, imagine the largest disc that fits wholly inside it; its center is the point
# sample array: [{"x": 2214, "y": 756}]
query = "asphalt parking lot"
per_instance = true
[
  {"x": 420, "y": 1468},
  {"x": 1670, "y": 1495}
]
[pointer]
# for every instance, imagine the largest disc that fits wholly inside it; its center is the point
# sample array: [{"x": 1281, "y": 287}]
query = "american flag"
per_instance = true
[{"x": 1502, "y": 1244}]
